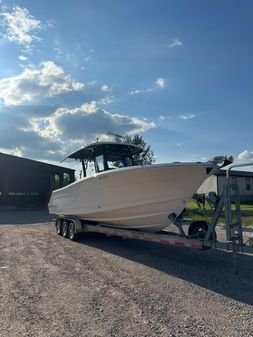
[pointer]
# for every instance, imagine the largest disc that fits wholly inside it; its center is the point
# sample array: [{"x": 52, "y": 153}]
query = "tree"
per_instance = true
[{"x": 147, "y": 156}]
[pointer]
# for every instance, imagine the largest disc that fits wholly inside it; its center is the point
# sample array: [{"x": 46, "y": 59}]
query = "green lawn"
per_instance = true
[{"x": 192, "y": 213}]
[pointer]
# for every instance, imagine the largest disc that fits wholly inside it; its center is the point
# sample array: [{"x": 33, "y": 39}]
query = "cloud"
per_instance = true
[
  {"x": 186, "y": 116},
  {"x": 175, "y": 43},
  {"x": 85, "y": 122},
  {"x": 21, "y": 26},
  {"x": 15, "y": 140},
  {"x": 105, "y": 88},
  {"x": 246, "y": 155},
  {"x": 139, "y": 91},
  {"x": 36, "y": 83},
  {"x": 163, "y": 118},
  {"x": 175, "y": 118},
  {"x": 134, "y": 92},
  {"x": 50, "y": 133},
  {"x": 22, "y": 58},
  {"x": 18, "y": 142},
  {"x": 106, "y": 100},
  {"x": 18, "y": 151},
  {"x": 160, "y": 82}
]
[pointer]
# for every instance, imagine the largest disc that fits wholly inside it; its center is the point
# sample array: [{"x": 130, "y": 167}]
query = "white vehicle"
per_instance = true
[{"x": 120, "y": 194}]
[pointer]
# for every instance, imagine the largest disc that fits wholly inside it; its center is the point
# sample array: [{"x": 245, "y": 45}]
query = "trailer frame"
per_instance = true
[{"x": 71, "y": 226}]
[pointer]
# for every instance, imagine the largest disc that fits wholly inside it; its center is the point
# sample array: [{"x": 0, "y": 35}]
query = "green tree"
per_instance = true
[{"x": 147, "y": 156}]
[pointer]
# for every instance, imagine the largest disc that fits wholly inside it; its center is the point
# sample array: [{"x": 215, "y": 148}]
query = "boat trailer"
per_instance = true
[{"x": 200, "y": 235}]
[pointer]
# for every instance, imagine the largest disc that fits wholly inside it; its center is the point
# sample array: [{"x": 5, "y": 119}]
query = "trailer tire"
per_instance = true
[
  {"x": 197, "y": 230},
  {"x": 72, "y": 231},
  {"x": 65, "y": 229},
  {"x": 58, "y": 227}
]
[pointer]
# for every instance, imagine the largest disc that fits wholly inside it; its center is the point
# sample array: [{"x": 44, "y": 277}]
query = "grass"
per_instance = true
[{"x": 193, "y": 214}]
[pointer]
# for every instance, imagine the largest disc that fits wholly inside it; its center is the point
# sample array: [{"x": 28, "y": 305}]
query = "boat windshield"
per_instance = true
[
  {"x": 120, "y": 163},
  {"x": 105, "y": 162},
  {"x": 104, "y": 156}
]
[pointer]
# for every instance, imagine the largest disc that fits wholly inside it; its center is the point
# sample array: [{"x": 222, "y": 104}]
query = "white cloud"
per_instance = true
[
  {"x": 175, "y": 43},
  {"x": 105, "y": 88},
  {"x": 160, "y": 82},
  {"x": 22, "y": 58},
  {"x": 174, "y": 118},
  {"x": 84, "y": 122},
  {"x": 163, "y": 118},
  {"x": 77, "y": 86},
  {"x": 13, "y": 138},
  {"x": 17, "y": 151},
  {"x": 186, "y": 116},
  {"x": 246, "y": 155},
  {"x": 51, "y": 23},
  {"x": 106, "y": 100},
  {"x": 21, "y": 27},
  {"x": 33, "y": 83},
  {"x": 134, "y": 92},
  {"x": 51, "y": 133},
  {"x": 87, "y": 107}
]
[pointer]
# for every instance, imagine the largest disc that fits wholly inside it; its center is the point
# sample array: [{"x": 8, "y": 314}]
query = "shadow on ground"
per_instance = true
[
  {"x": 21, "y": 216},
  {"x": 210, "y": 269}
]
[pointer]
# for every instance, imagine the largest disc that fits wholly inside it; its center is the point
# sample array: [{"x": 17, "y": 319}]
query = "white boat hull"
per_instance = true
[{"x": 138, "y": 197}]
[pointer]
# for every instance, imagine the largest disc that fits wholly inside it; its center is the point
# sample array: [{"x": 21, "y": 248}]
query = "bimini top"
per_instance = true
[{"x": 112, "y": 150}]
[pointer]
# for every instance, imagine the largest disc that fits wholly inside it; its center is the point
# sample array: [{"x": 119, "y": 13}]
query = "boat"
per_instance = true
[{"x": 121, "y": 194}]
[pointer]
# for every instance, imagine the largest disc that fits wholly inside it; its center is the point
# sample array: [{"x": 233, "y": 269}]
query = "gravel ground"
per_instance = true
[{"x": 100, "y": 286}]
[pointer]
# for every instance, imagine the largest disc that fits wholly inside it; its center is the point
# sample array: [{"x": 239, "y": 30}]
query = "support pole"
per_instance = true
[{"x": 234, "y": 231}]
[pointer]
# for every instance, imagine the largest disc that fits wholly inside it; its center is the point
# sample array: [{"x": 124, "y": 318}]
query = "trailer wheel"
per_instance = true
[
  {"x": 72, "y": 231},
  {"x": 197, "y": 230},
  {"x": 58, "y": 227},
  {"x": 65, "y": 229}
]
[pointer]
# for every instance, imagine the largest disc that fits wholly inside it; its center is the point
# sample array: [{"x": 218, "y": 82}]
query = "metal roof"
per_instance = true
[{"x": 15, "y": 160}]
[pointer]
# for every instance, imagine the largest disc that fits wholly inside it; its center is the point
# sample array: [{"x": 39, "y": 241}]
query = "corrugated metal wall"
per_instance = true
[{"x": 25, "y": 182}]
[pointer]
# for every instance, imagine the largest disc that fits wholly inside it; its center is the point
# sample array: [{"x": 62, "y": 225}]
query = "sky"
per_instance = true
[{"x": 177, "y": 72}]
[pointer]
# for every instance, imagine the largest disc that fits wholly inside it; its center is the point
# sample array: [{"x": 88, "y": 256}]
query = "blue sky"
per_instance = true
[{"x": 178, "y": 72}]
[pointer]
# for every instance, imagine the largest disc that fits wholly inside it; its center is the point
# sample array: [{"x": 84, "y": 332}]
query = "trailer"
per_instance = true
[{"x": 200, "y": 234}]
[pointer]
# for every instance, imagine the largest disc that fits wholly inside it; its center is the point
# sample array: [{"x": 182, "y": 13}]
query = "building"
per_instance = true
[
  {"x": 243, "y": 179},
  {"x": 26, "y": 182}
]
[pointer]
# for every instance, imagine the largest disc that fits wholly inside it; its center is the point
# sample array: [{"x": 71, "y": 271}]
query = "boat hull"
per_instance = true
[{"x": 139, "y": 197}]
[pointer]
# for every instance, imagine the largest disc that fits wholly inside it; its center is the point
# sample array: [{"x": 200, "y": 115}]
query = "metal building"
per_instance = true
[
  {"x": 243, "y": 179},
  {"x": 26, "y": 182}
]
